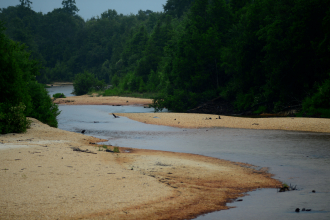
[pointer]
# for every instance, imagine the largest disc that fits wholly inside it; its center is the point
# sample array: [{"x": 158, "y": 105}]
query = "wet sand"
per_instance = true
[
  {"x": 42, "y": 177},
  {"x": 188, "y": 120}
]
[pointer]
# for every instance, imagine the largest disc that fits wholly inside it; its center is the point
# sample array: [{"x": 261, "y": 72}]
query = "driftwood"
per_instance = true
[{"x": 80, "y": 150}]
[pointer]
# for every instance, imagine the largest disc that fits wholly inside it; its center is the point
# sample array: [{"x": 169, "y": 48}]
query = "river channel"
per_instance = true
[{"x": 296, "y": 158}]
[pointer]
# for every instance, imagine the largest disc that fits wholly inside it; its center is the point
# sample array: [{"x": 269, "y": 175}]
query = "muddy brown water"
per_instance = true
[{"x": 301, "y": 159}]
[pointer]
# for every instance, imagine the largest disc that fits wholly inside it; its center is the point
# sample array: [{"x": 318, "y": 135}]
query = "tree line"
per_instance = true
[{"x": 258, "y": 55}]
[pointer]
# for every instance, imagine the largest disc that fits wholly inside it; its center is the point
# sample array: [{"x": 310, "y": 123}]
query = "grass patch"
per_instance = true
[{"x": 116, "y": 149}]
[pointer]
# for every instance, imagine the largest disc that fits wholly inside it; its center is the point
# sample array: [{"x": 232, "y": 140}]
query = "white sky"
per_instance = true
[{"x": 89, "y": 8}]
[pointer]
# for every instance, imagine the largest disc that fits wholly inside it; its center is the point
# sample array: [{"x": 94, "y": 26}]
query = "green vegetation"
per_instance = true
[
  {"x": 85, "y": 82},
  {"x": 261, "y": 55},
  {"x": 20, "y": 95},
  {"x": 116, "y": 150},
  {"x": 59, "y": 95}
]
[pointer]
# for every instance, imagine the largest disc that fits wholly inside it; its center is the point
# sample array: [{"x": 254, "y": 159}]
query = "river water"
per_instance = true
[{"x": 296, "y": 158}]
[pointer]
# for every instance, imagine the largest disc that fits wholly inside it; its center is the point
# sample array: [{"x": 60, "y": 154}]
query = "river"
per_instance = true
[{"x": 296, "y": 158}]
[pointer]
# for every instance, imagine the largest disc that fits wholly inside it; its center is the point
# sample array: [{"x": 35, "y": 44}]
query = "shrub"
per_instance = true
[
  {"x": 85, "y": 82},
  {"x": 318, "y": 105},
  {"x": 116, "y": 150},
  {"x": 43, "y": 108},
  {"x": 59, "y": 95},
  {"x": 12, "y": 119}
]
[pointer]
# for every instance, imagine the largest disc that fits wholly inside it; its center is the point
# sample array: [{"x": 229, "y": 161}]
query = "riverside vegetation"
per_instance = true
[
  {"x": 262, "y": 55},
  {"x": 21, "y": 95}
]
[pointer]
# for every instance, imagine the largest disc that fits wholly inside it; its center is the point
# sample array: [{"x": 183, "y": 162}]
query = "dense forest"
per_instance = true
[{"x": 254, "y": 55}]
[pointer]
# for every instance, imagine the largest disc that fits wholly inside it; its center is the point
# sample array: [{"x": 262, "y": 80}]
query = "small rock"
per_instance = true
[
  {"x": 297, "y": 210},
  {"x": 303, "y": 209},
  {"x": 313, "y": 191},
  {"x": 308, "y": 210},
  {"x": 239, "y": 200}
]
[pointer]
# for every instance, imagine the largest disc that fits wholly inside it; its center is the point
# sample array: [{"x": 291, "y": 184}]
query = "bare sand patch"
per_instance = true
[
  {"x": 102, "y": 100},
  {"x": 60, "y": 84},
  {"x": 48, "y": 180},
  {"x": 190, "y": 120}
]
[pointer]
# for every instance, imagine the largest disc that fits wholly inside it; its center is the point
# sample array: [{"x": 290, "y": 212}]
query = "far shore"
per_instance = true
[
  {"x": 194, "y": 120},
  {"x": 102, "y": 100}
]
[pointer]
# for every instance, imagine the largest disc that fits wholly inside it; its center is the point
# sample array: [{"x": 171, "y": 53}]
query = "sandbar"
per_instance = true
[
  {"x": 193, "y": 120},
  {"x": 42, "y": 177},
  {"x": 102, "y": 100}
]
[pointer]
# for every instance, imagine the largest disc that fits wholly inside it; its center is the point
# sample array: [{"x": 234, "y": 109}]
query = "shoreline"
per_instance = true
[
  {"x": 194, "y": 120},
  {"x": 135, "y": 184},
  {"x": 102, "y": 100}
]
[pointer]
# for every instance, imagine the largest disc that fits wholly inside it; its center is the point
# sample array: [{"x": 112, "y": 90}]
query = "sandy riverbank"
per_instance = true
[
  {"x": 191, "y": 120},
  {"x": 42, "y": 177},
  {"x": 185, "y": 120},
  {"x": 106, "y": 100}
]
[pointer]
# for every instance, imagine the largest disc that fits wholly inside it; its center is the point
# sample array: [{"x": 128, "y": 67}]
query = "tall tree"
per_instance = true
[
  {"x": 25, "y": 3},
  {"x": 70, "y": 6}
]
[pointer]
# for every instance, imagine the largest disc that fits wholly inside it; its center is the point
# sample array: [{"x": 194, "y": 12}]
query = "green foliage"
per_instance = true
[
  {"x": 85, "y": 82},
  {"x": 20, "y": 94},
  {"x": 70, "y": 6},
  {"x": 43, "y": 107},
  {"x": 260, "y": 110},
  {"x": 318, "y": 104},
  {"x": 176, "y": 8},
  {"x": 13, "y": 119},
  {"x": 259, "y": 55},
  {"x": 116, "y": 150},
  {"x": 59, "y": 95}
]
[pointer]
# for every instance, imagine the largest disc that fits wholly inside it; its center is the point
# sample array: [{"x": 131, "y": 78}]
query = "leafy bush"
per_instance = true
[
  {"x": 43, "y": 108},
  {"x": 12, "y": 119},
  {"x": 85, "y": 82},
  {"x": 318, "y": 105},
  {"x": 59, "y": 95}
]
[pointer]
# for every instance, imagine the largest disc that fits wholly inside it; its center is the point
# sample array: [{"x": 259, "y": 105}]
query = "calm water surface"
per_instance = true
[
  {"x": 65, "y": 89},
  {"x": 297, "y": 158}
]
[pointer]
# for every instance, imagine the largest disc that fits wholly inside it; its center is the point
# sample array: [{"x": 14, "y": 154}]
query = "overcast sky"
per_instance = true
[{"x": 90, "y": 8}]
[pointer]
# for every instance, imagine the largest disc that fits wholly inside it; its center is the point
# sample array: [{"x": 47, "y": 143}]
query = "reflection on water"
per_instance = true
[{"x": 299, "y": 158}]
